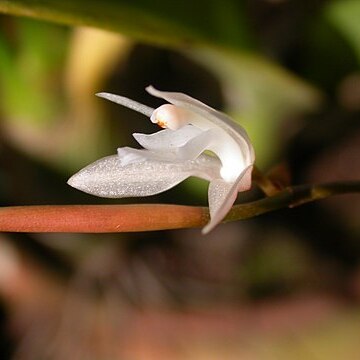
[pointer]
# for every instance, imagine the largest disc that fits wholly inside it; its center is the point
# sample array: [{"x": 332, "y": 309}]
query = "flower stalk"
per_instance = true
[{"x": 150, "y": 217}]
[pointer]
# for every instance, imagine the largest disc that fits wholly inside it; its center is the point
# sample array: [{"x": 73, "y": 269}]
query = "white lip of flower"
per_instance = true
[{"x": 174, "y": 154}]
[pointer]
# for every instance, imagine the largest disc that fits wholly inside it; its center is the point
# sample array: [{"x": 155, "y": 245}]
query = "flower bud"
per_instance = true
[{"x": 169, "y": 116}]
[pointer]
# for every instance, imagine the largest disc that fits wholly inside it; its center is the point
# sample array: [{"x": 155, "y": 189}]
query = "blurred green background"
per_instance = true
[{"x": 282, "y": 286}]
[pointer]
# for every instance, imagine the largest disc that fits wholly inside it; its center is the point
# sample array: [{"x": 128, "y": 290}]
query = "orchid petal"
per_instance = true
[
  {"x": 124, "y": 101},
  {"x": 188, "y": 149},
  {"x": 244, "y": 180},
  {"x": 167, "y": 138},
  {"x": 107, "y": 177},
  {"x": 222, "y": 196},
  {"x": 197, "y": 145}
]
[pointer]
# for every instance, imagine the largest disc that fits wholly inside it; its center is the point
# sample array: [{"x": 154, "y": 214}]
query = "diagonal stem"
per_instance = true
[
  {"x": 264, "y": 183},
  {"x": 291, "y": 197},
  {"x": 126, "y": 218}
]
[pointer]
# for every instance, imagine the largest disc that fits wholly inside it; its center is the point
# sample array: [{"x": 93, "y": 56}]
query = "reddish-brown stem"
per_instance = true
[
  {"x": 126, "y": 218},
  {"x": 100, "y": 218}
]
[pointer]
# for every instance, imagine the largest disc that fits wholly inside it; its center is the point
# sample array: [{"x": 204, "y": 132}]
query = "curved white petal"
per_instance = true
[
  {"x": 215, "y": 117},
  {"x": 167, "y": 138},
  {"x": 107, "y": 177},
  {"x": 197, "y": 145},
  {"x": 124, "y": 101},
  {"x": 188, "y": 148},
  {"x": 244, "y": 180},
  {"x": 222, "y": 196}
]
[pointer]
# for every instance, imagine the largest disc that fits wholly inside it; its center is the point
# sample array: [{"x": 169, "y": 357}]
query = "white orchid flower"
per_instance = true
[{"x": 171, "y": 155}]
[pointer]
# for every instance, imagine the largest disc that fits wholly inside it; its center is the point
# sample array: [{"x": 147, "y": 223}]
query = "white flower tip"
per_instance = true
[
  {"x": 102, "y": 94},
  {"x": 76, "y": 181},
  {"x": 208, "y": 227},
  {"x": 151, "y": 90}
]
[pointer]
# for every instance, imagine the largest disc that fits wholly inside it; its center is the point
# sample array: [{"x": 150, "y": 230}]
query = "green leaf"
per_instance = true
[
  {"x": 27, "y": 62},
  {"x": 163, "y": 22},
  {"x": 345, "y": 15}
]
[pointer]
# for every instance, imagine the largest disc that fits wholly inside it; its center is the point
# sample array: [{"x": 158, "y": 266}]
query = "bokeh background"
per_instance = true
[{"x": 285, "y": 285}]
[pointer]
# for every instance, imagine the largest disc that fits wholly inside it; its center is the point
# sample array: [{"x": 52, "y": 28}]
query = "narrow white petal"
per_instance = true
[
  {"x": 167, "y": 138},
  {"x": 107, "y": 177},
  {"x": 131, "y": 104},
  {"x": 222, "y": 196}
]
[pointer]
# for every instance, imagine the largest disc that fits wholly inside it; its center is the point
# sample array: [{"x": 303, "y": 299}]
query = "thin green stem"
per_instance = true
[
  {"x": 264, "y": 183},
  {"x": 291, "y": 197}
]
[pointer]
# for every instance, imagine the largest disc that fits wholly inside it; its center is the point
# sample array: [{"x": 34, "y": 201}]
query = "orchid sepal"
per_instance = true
[{"x": 110, "y": 177}]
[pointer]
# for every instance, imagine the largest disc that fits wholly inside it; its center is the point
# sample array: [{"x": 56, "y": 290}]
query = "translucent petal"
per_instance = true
[
  {"x": 197, "y": 145},
  {"x": 124, "y": 101},
  {"x": 222, "y": 196},
  {"x": 191, "y": 149},
  {"x": 107, "y": 177},
  {"x": 217, "y": 118},
  {"x": 244, "y": 180},
  {"x": 167, "y": 138}
]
